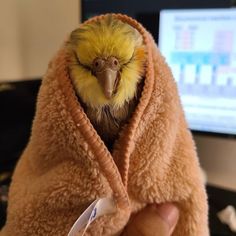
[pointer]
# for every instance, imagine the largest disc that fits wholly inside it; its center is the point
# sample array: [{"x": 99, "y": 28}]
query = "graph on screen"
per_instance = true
[{"x": 200, "y": 47}]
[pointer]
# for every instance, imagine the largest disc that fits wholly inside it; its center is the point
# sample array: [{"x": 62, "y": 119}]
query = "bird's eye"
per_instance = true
[
  {"x": 114, "y": 63},
  {"x": 98, "y": 64}
]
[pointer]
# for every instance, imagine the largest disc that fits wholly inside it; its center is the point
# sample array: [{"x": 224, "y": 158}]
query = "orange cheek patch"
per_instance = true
[{"x": 140, "y": 56}]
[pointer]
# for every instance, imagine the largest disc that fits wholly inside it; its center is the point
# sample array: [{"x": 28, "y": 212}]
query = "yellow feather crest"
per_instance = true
[{"x": 105, "y": 37}]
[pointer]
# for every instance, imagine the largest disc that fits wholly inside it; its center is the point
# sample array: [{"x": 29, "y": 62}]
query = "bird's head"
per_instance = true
[{"x": 107, "y": 61}]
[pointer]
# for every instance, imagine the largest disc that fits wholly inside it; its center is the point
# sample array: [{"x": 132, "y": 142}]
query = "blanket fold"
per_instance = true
[{"x": 66, "y": 165}]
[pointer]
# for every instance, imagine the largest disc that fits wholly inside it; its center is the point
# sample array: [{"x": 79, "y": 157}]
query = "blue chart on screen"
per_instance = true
[{"x": 200, "y": 47}]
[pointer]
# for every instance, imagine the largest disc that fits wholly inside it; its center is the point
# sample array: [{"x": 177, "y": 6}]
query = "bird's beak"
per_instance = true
[{"x": 107, "y": 79}]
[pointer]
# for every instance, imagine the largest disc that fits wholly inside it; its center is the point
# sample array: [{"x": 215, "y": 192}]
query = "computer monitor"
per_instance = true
[{"x": 200, "y": 47}]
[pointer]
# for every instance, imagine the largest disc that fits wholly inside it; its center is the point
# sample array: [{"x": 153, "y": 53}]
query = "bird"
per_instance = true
[{"x": 107, "y": 70}]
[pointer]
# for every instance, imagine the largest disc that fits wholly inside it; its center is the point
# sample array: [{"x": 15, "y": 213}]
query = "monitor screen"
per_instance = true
[{"x": 200, "y": 47}]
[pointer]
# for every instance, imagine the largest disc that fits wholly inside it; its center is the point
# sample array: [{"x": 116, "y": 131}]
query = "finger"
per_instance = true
[
  {"x": 169, "y": 214},
  {"x": 155, "y": 220}
]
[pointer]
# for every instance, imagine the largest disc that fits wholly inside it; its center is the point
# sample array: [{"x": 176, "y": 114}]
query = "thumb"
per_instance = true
[{"x": 154, "y": 220}]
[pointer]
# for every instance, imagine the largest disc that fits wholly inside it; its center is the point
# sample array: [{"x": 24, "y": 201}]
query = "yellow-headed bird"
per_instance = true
[{"x": 107, "y": 68}]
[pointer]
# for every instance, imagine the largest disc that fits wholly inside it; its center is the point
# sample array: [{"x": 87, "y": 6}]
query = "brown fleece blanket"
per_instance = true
[{"x": 66, "y": 166}]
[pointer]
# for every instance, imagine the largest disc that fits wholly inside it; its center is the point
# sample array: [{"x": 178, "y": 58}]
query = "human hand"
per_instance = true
[{"x": 154, "y": 220}]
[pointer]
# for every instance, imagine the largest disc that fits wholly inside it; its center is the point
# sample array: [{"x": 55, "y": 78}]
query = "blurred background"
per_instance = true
[{"x": 198, "y": 39}]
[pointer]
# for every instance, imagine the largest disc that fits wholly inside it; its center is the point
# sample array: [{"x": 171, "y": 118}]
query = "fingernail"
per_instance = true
[{"x": 169, "y": 213}]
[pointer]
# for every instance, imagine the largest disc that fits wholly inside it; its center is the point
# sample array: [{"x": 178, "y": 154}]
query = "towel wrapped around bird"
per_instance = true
[{"x": 109, "y": 123}]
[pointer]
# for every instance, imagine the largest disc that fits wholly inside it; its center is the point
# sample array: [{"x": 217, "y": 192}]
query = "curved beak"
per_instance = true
[{"x": 107, "y": 80}]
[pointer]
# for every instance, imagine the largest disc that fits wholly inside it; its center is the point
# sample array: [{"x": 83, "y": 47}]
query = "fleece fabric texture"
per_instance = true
[{"x": 66, "y": 166}]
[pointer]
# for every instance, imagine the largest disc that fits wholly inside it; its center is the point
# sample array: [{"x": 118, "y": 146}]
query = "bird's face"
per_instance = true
[
  {"x": 107, "y": 62},
  {"x": 107, "y": 72}
]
